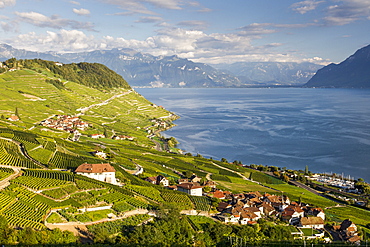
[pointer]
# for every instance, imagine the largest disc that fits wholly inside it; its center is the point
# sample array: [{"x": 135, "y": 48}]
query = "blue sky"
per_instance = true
[{"x": 210, "y": 31}]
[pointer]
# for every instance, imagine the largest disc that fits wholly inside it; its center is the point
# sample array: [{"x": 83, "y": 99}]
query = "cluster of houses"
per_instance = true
[
  {"x": 114, "y": 137},
  {"x": 242, "y": 208},
  {"x": 247, "y": 208},
  {"x": 123, "y": 137},
  {"x": 346, "y": 231},
  {"x": 190, "y": 186},
  {"x": 66, "y": 123}
]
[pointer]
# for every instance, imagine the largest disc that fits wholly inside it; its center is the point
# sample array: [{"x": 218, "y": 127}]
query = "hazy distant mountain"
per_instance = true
[
  {"x": 145, "y": 70},
  {"x": 354, "y": 72},
  {"x": 139, "y": 69},
  {"x": 271, "y": 73}
]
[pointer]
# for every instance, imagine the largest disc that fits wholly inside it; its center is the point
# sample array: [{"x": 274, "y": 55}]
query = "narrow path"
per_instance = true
[
  {"x": 24, "y": 151},
  {"x": 303, "y": 186},
  {"x": 5, "y": 182},
  {"x": 227, "y": 169},
  {"x": 158, "y": 146},
  {"x": 105, "y": 102}
]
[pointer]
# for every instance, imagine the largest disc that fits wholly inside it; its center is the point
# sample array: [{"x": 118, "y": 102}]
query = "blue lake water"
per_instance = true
[{"x": 326, "y": 129}]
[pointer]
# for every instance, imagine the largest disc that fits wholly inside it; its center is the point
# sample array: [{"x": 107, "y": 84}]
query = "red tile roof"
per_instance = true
[
  {"x": 189, "y": 186},
  {"x": 95, "y": 168}
]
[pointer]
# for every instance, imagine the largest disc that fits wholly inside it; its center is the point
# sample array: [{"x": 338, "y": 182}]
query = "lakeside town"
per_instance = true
[
  {"x": 249, "y": 208},
  {"x": 240, "y": 208}
]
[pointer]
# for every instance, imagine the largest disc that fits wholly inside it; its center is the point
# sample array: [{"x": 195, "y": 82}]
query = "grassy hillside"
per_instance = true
[{"x": 38, "y": 90}]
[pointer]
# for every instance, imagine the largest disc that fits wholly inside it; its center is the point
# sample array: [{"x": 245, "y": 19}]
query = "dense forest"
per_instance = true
[{"x": 93, "y": 75}]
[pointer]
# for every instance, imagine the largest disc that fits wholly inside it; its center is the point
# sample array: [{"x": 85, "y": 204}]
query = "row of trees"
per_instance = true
[
  {"x": 28, "y": 236},
  {"x": 172, "y": 229}
]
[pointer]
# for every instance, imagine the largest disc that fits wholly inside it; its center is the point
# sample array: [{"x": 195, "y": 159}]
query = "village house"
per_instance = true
[
  {"x": 318, "y": 212},
  {"x": 193, "y": 189},
  {"x": 218, "y": 194},
  {"x": 292, "y": 214},
  {"x": 312, "y": 222},
  {"x": 123, "y": 137},
  {"x": 158, "y": 180},
  {"x": 183, "y": 180},
  {"x": 100, "y": 154},
  {"x": 13, "y": 118},
  {"x": 97, "y": 136},
  {"x": 195, "y": 179},
  {"x": 102, "y": 172},
  {"x": 347, "y": 231}
]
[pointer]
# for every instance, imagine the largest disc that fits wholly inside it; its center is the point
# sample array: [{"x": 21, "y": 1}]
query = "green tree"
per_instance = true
[
  {"x": 224, "y": 160},
  {"x": 16, "y": 112}
]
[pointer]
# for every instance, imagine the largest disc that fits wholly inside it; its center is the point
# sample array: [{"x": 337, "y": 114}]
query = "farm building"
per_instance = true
[{"x": 103, "y": 172}]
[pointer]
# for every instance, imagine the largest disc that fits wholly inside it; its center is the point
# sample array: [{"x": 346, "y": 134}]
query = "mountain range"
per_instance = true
[
  {"x": 354, "y": 72},
  {"x": 271, "y": 73},
  {"x": 145, "y": 70}
]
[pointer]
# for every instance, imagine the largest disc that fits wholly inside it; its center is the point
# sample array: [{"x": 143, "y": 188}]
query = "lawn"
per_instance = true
[
  {"x": 245, "y": 186},
  {"x": 309, "y": 231},
  {"x": 295, "y": 194}
]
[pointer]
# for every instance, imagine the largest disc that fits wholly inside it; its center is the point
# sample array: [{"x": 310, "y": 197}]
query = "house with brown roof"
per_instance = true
[
  {"x": 246, "y": 216},
  {"x": 292, "y": 214},
  {"x": 318, "y": 212},
  {"x": 13, "y": 118},
  {"x": 97, "y": 136},
  {"x": 102, "y": 172},
  {"x": 158, "y": 180},
  {"x": 193, "y": 189},
  {"x": 267, "y": 209},
  {"x": 183, "y": 180},
  {"x": 229, "y": 218},
  {"x": 218, "y": 194},
  {"x": 312, "y": 222}
]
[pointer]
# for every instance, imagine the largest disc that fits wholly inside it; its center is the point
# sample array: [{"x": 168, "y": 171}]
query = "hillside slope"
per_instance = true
[{"x": 354, "y": 72}]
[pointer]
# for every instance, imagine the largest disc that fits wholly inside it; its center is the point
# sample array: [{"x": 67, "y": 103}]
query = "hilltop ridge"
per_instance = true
[{"x": 354, "y": 72}]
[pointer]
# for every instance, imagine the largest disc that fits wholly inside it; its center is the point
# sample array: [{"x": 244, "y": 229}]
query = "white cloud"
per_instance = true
[
  {"x": 150, "y": 19},
  {"x": 54, "y": 21},
  {"x": 317, "y": 60},
  {"x": 7, "y": 3},
  {"x": 305, "y": 6},
  {"x": 74, "y": 2},
  {"x": 257, "y": 30},
  {"x": 138, "y": 6},
  {"x": 81, "y": 11},
  {"x": 193, "y": 24},
  {"x": 205, "y": 10},
  {"x": 63, "y": 41},
  {"x": 192, "y": 44},
  {"x": 347, "y": 11}
]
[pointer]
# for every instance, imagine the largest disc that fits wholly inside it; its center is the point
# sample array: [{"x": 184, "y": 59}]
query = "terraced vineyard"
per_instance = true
[
  {"x": 39, "y": 183},
  {"x": 20, "y": 208},
  {"x": 30, "y": 196},
  {"x": 201, "y": 203},
  {"x": 178, "y": 198},
  {"x": 5, "y": 172},
  {"x": 11, "y": 155}
]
